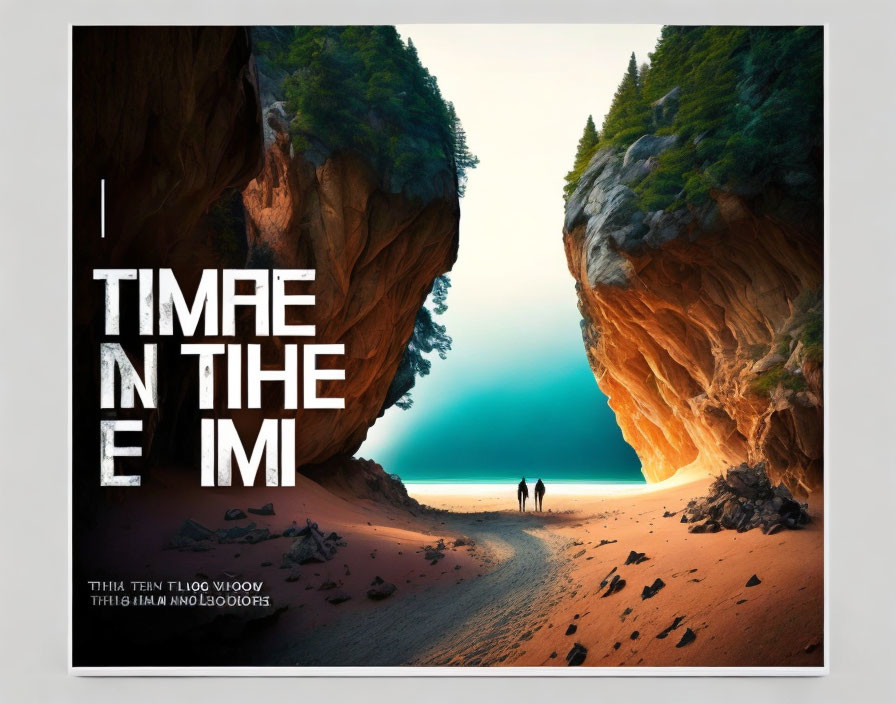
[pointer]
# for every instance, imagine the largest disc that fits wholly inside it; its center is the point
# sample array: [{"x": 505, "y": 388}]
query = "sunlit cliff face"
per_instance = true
[
  {"x": 705, "y": 336},
  {"x": 375, "y": 256}
]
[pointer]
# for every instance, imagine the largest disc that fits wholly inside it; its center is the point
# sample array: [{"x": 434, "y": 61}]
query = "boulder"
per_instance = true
[
  {"x": 266, "y": 510},
  {"x": 651, "y": 590},
  {"x": 616, "y": 585},
  {"x": 687, "y": 638},
  {"x": 234, "y": 514},
  {"x": 380, "y": 589},
  {"x": 194, "y": 530},
  {"x": 576, "y": 656},
  {"x": 647, "y": 146},
  {"x": 636, "y": 558},
  {"x": 337, "y": 598}
]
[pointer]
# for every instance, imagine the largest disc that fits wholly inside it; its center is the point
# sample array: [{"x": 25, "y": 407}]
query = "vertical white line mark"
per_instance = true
[{"x": 103, "y": 208}]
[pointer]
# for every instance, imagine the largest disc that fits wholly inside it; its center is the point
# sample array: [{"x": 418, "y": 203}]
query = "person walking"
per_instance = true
[
  {"x": 522, "y": 493},
  {"x": 539, "y": 495}
]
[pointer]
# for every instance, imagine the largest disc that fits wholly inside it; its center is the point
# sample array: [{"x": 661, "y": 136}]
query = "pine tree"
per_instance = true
[
  {"x": 632, "y": 72},
  {"x": 588, "y": 141},
  {"x": 627, "y": 118},
  {"x": 464, "y": 160},
  {"x": 584, "y": 152}
]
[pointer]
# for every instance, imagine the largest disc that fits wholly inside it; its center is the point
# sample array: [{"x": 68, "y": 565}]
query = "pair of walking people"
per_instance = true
[{"x": 522, "y": 493}]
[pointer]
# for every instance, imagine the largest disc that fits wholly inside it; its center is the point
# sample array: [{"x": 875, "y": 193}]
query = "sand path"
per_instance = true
[{"x": 482, "y": 621}]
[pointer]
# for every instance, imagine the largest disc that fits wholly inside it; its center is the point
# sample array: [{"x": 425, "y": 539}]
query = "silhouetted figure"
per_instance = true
[
  {"x": 539, "y": 495},
  {"x": 522, "y": 493}
]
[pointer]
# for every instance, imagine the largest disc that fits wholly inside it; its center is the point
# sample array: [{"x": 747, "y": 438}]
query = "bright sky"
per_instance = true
[{"x": 523, "y": 93}]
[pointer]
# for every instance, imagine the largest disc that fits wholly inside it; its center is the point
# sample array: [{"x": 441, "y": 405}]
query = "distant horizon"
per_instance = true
[{"x": 515, "y": 393}]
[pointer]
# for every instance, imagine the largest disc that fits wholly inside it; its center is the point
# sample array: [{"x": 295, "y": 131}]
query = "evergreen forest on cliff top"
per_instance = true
[{"x": 746, "y": 106}]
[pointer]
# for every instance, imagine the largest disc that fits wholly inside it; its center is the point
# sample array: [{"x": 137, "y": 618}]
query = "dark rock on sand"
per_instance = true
[
  {"x": 310, "y": 547},
  {"x": 636, "y": 558},
  {"x": 193, "y": 530},
  {"x": 380, "y": 589},
  {"x": 708, "y": 526},
  {"x": 616, "y": 585},
  {"x": 234, "y": 514},
  {"x": 653, "y": 588},
  {"x": 577, "y": 655},
  {"x": 266, "y": 510},
  {"x": 234, "y": 533},
  {"x": 292, "y": 531},
  {"x": 572, "y": 629},
  {"x": 745, "y": 499},
  {"x": 606, "y": 579},
  {"x": 688, "y": 638},
  {"x": 337, "y": 598},
  {"x": 668, "y": 629},
  {"x": 634, "y": 635},
  {"x": 256, "y": 535},
  {"x": 434, "y": 554},
  {"x": 753, "y": 581}
]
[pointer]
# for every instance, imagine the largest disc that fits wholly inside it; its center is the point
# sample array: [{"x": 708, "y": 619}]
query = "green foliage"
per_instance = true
[
  {"x": 783, "y": 347},
  {"x": 584, "y": 152},
  {"x": 428, "y": 336},
  {"x": 629, "y": 116},
  {"x": 749, "y": 117},
  {"x": 769, "y": 380},
  {"x": 812, "y": 338},
  {"x": 361, "y": 89}
]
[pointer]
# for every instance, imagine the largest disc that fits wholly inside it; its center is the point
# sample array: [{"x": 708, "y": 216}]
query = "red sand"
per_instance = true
[{"x": 777, "y": 623}]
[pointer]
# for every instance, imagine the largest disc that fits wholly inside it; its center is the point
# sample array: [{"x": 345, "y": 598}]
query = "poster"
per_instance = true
[{"x": 493, "y": 347}]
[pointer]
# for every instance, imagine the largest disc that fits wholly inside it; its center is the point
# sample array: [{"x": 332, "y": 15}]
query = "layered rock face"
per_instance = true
[
  {"x": 702, "y": 326},
  {"x": 376, "y": 255},
  {"x": 170, "y": 118}
]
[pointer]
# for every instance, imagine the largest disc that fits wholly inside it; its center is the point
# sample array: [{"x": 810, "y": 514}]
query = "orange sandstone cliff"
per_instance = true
[
  {"x": 200, "y": 174},
  {"x": 376, "y": 254},
  {"x": 703, "y": 327}
]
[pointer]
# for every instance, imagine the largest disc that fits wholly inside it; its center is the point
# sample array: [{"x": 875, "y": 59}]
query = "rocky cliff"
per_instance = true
[
  {"x": 169, "y": 117},
  {"x": 376, "y": 254},
  {"x": 198, "y": 175},
  {"x": 702, "y": 325}
]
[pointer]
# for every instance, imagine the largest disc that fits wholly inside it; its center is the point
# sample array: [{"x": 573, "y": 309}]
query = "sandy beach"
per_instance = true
[{"x": 505, "y": 588}]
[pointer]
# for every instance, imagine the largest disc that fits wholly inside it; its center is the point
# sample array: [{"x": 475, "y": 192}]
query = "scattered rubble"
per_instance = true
[
  {"x": 742, "y": 500},
  {"x": 380, "y": 589},
  {"x": 577, "y": 655},
  {"x": 653, "y": 588},
  {"x": 688, "y": 638},
  {"x": 636, "y": 558},
  {"x": 668, "y": 629}
]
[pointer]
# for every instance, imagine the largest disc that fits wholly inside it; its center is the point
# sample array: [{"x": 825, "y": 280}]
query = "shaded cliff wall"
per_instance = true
[
  {"x": 703, "y": 326},
  {"x": 170, "y": 118},
  {"x": 376, "y": 254}
]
